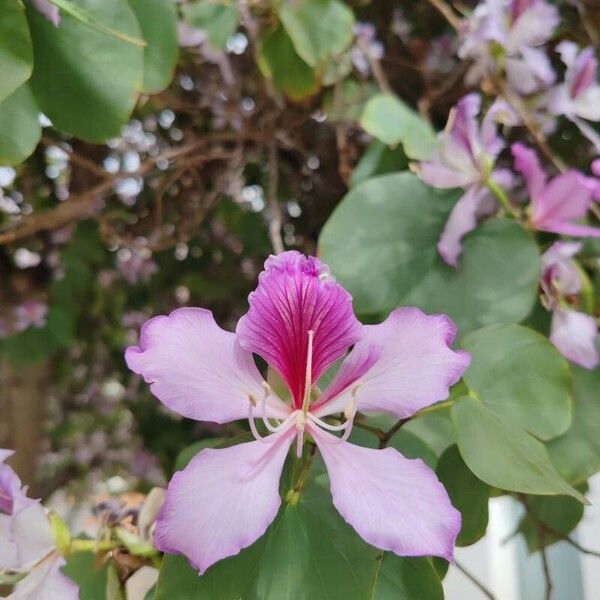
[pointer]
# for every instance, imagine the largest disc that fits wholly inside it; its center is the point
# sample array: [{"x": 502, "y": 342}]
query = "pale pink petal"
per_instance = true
[
  {"x": 46, "y": 582},
  {"x": 527, "y": 162},
  {"x": 392, "y": 502},
  {"x": 587, "y": 130},
  {"x": 416, "y": 367},
  {"x": 575, "y": 335},
  {"x": 49, "y": 10},
  {"x": 436, "y": 173},
  {"x": 223, "y": 501},
  {"x": 533, "y": 27},
  {"x": 583, "y": 73},
  {"x": 295, "y": 295},
  {"x": 573, "y": 230},
  {"x": 462, "y": 220},
  {"x": 566, "y": 197},
  {"x": 32, "y": 532},
  {"x": 198, "y": 369}
]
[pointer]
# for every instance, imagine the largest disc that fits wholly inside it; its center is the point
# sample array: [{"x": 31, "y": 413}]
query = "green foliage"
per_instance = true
[
  {"x": 20, "y": 130},
  {"x": 218, "y": 19},
  {"x": 396, "y": 221},
  {"x": 519, "y": 374},
  {"x": 91, "y": 578},
  {"x": 16, "y": 55},
  {"x": 504, "y": 455},
  {"x": 467, "y": 493},
  {"x": 389, "y": 119},
  {"x": 319, "y": 29}
]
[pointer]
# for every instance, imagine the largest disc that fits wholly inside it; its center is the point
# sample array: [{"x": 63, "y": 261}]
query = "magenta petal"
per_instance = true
[
  {"x": 46, "y": 582},
  {"x": 416, "y": 367},
  {"x": 296, "y": 294},
  {"x": 392, "y": 502},
  {"x": 198, "y": 369},
  {"x": 462, "y": 220},
  {"x": 223, "y": 501},
  {"x": 575, "y": 335},
  {"x": 527, "y": 162}
]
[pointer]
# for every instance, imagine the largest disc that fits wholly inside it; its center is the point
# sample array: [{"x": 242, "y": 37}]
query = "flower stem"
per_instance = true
[
  {"x": 501, "y": 196},
  {"x": 92, "y": 546}
]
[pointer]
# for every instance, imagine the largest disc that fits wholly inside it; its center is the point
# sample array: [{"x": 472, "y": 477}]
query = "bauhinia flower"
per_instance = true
[
  {"x": 574, "y": 333},
  {"x": 505, "y": 35},
  {"x": 557, "y": 204},
  {"x": 28, "y": 550},
  {"x": 578, "y": 97},
  {"x": 465, "y": 158},
  {"x": 300, "y": 321}
]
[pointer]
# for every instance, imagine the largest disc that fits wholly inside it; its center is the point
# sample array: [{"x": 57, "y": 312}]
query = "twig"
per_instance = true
[
  {"x": 475, "y": 581},
  {"x": 450, "y": 16},
  {"x": 389, "y": 434},
  {"x": 545, "y": 565},
  {"x": 273, "y": 207},
  {"x": 375, "y": 64}
]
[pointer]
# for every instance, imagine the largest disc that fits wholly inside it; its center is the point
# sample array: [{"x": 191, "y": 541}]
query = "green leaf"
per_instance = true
[
  {"x": 468, "y": 494},
  {"x": 390, "y": 120},
  {"x": 91, "y": 92},
  {"x": 218, "y": 19},
  {"x": 378, "y": 159},
  {"x": 396, "y": 221},
  {"x": 158, "y": 21},
  {"x": 557, "y": 516},
  {"x": 16, "y": 54},
  {"x": 279, "y": 62},
  {"x": 502, "y": 454},
  {"x": 576, "y": 454},
  {"x": 435, "y": 429},
  {"x": 20, "y": 130},
  {"x": 318, "y": 29},
  {"x": 406, "y": 579},
  {"x": 81, "y": 567},
  {"x": 518, "y": 373},
  {"x": 184, "y": 457}
]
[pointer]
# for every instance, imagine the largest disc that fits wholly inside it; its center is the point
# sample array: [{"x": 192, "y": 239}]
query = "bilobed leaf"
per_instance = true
[
  {"x": 390, "y": 120},
  {"x": 318, "y": 29},
  {"x": 20, "y": 130},
  {"x": 468, "y": 494},
  {"x": 158, "y": 21},
  {"x": 87, "y": 81},
  {"x": 16, "y": 53},
  {"x": 218, "y": 19},
  {"x": 502, "y": 454},
  {"x": 576, "y": 454},
  {"x": 396, "y": 221},
  {"x": 279, "y": 62},
  {"x": 517, "y": 372},
  {"x": 555, "y": 516},
  {"x": 378, "y": 159},
  {"x": 91, "y": 577}
]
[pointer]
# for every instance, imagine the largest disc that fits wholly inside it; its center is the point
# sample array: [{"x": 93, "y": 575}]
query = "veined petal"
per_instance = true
[
  {"x": 198, "y": 369},
  {"x": 575, "y": 335},
  {"x": 32, "y": 533},
  {"x": 46, "y": 582},
  {"x": 295, "y": 295},
  {"x": 392, "y": 502},
  {"x": 415, "y": 368},
  {"x": 223, "y": 501}
]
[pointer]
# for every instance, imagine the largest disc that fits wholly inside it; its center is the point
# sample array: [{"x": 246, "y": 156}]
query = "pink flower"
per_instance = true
[
  {"x": 300, "y": 322},
  {"x": 578, "y": 97},
  {"x": 558, "y": 203},
  {"x": 572, "y": 332},
  {"x": 465, "y": 158},
  {"x": 31, "y": 313},
  {"x": 515, "y": 28},
  {"x": 27, "y": 544}
]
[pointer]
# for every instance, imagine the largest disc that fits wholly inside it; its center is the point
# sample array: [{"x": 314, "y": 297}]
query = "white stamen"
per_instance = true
[
  {"x": 268, "y": 425},
  {"x": 308, "y": 379}
]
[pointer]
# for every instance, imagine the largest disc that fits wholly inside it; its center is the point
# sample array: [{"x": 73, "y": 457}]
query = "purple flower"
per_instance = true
[
  {"x": 575, "y": 334},
  {"x": 49, "y": 10},
  {"x": 465, "y": 158},
  {"x": 27, "y": 543},
  {"x": 578, "y": 97},
  {"x": 560, "y": 274},
  {"x": 508, "y": 32},
  {"x": 31, "y": 313},
  {"x": 558, "y": 203},
  {"x": 300, "y": 321},
  {"x": 136, "y": 265}
]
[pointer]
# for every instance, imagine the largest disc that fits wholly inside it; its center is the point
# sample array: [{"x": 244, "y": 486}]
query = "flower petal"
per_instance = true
[
  {"x": 223, "y": 501},
  {"x": 415, "y": 368},
  {"x": 462, "y": 220},
  {"x": 46, "y": 582},
  {"x": 575, "y": 335},
  {"x": 527, "y": 162},
  {"x": 32, "y": 533},
  {"x": 296, "y": 294},
  {"x": 198, "y": 369},
  {"x": 394, "y": 503}
]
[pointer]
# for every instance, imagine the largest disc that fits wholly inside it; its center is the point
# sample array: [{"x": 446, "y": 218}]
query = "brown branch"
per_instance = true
[
  {"x": 273, "y": 207},
  {"x": 474, "y": 580},
  {"x": 389, "y": 434},
  {"x": 450, "y": 16},
  {"x": 376, "y": 68}
]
